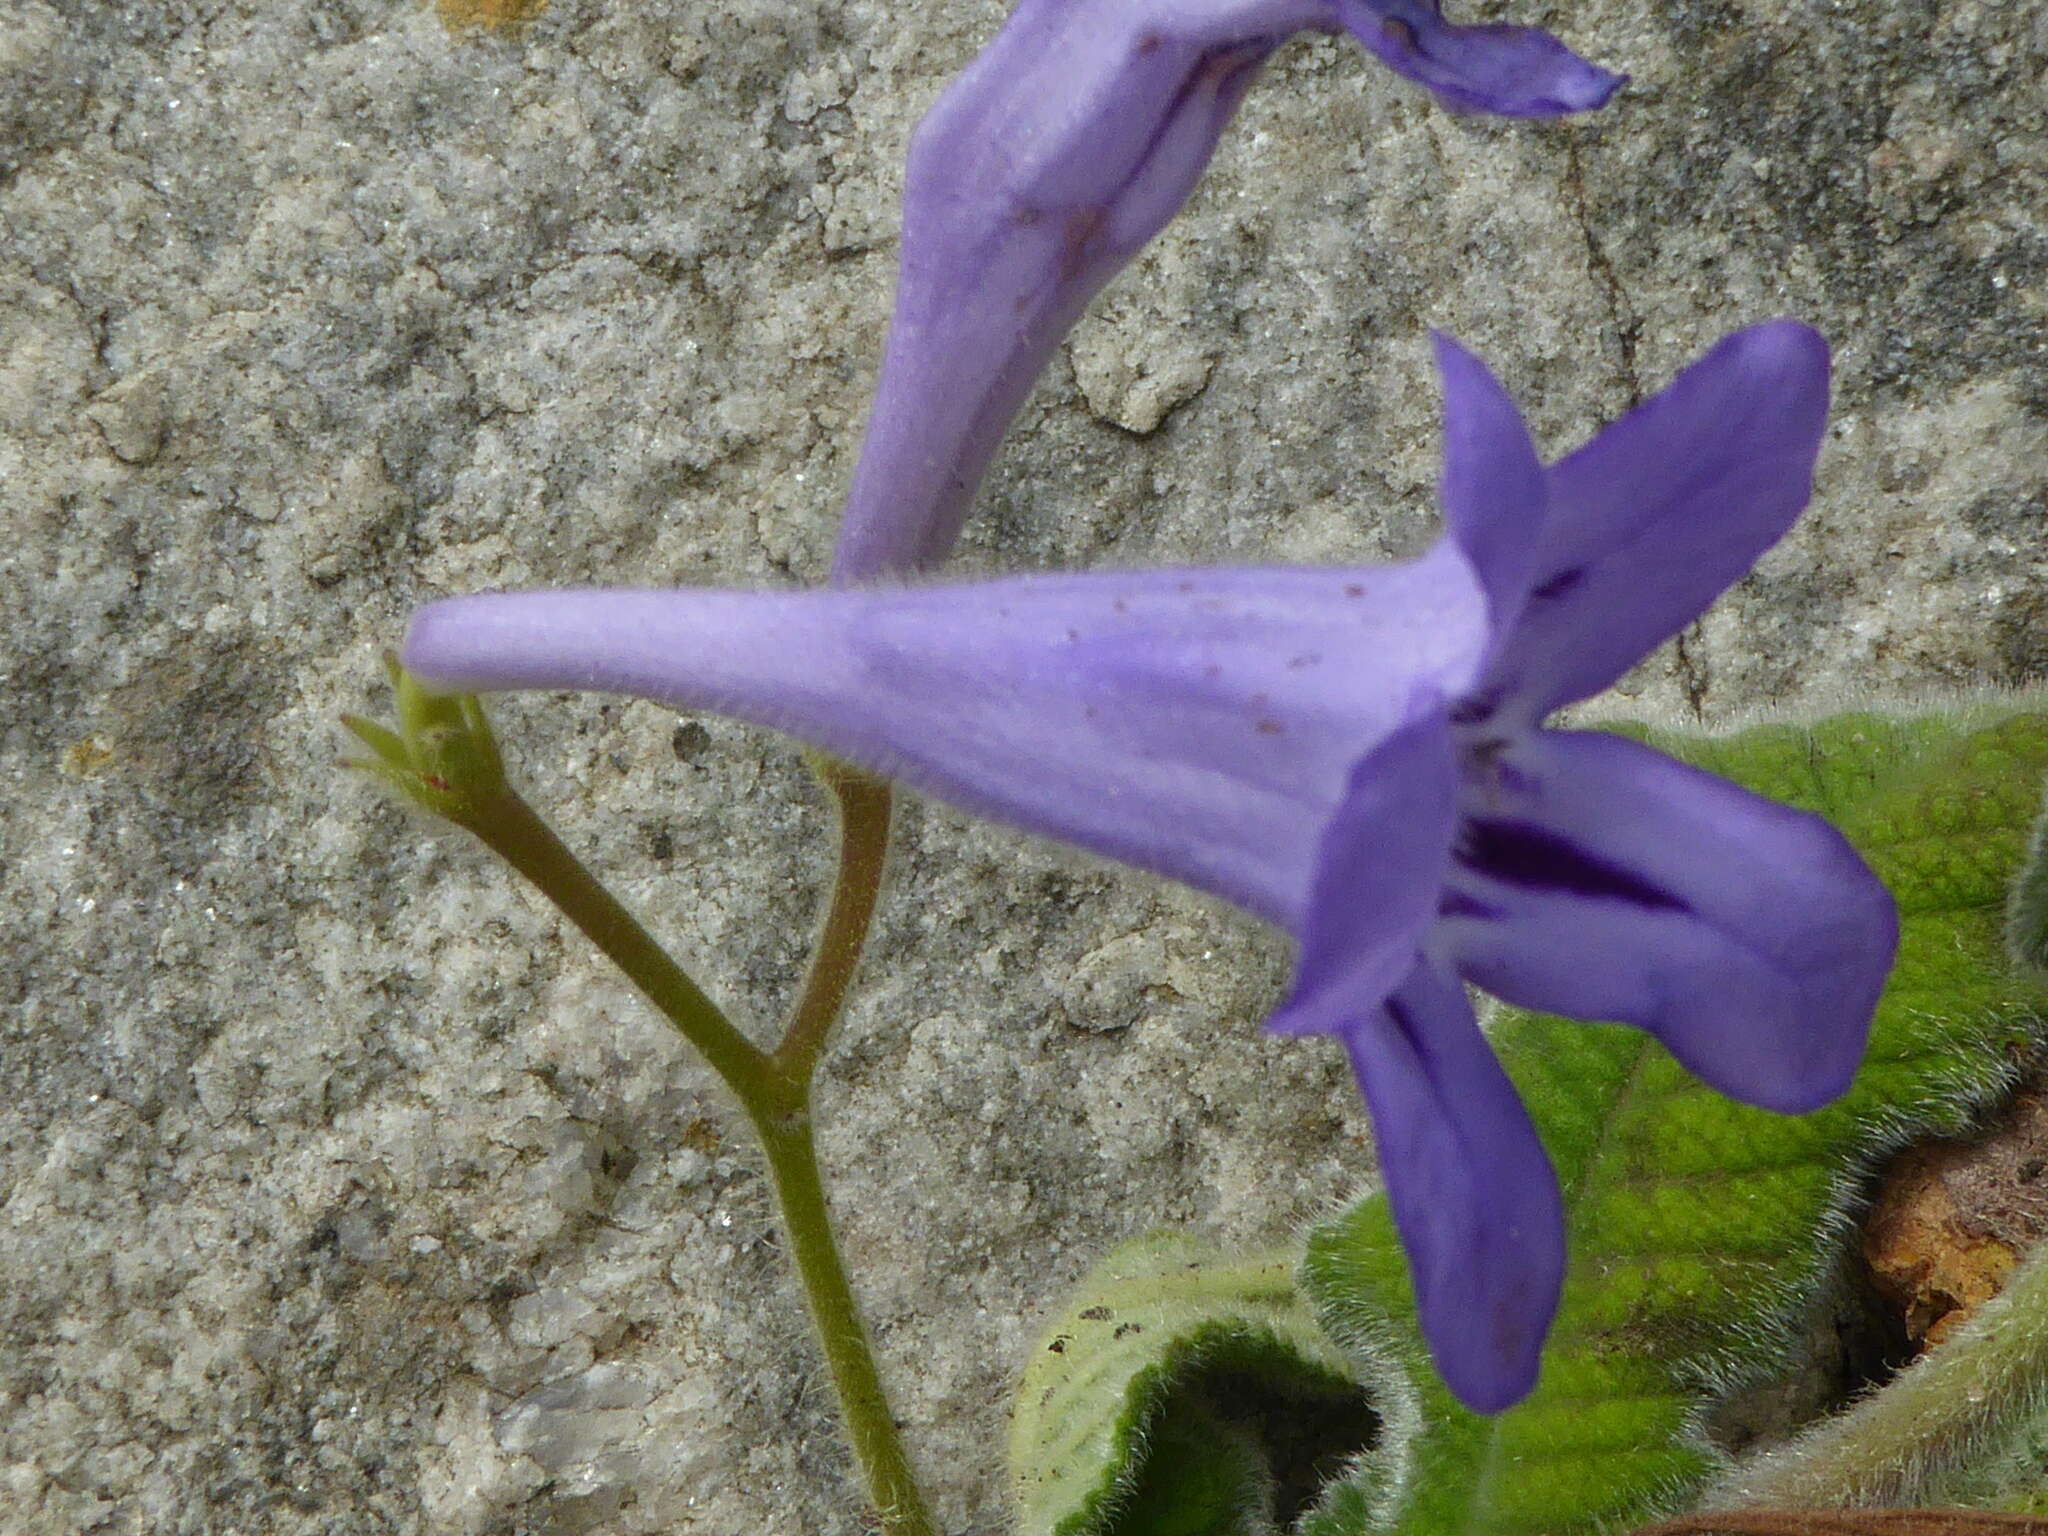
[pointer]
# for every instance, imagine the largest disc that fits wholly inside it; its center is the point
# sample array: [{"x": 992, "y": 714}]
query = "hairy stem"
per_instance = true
[
  {"x": 793, "y": 1159},
  {"x": 1909, "y": 1442},
  {"x": 512, "y": 830},
  {"x": 863, "y": 803}
]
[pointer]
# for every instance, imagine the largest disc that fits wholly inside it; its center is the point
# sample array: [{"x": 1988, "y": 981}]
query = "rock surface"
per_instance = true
[{"x": 342, "y": 1191}]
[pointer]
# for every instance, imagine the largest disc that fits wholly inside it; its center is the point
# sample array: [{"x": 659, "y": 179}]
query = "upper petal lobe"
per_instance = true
[
  {"x": 1493, "y": 490},
  {"x": 1661, "y": 512},
  {"x": 1514, "y": 71}
]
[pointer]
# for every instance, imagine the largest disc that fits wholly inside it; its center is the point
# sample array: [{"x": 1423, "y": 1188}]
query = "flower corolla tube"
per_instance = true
[
  {"x": 1044, "y": 168},
  {"x": 1360, "y": 756}
]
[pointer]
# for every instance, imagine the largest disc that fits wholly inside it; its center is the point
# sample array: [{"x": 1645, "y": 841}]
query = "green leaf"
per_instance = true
[
  {"x": 1181, "y": 1396},
  {"x": 1701, "y": 1231}
]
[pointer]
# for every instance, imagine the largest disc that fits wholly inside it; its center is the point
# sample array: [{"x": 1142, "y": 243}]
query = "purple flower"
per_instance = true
[
  {"x": 1359, "y": 756},
  {"x": 1049, "y": 163}
]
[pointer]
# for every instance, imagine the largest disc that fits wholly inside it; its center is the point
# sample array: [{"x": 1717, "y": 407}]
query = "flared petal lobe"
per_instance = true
[
  {"x": 1663, "y": 511},
  {"x": 1471, "y": 1189},
  {"x": 1494, "y": 492},
  {"x": 1608, "y": 881},
  {"x": 1507, "y": 70},
  {"x": 1201, "y": 724}
]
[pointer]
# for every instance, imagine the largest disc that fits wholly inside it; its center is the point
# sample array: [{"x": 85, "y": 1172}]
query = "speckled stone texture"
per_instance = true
[{"x": 340, "y": 1190}]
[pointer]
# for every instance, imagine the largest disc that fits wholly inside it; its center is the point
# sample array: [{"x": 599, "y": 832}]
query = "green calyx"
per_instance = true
[{"x": 442, "y": 757}]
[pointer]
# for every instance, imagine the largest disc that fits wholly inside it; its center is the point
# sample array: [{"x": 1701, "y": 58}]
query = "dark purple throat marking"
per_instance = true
[
  {"x": 1455, "y": 903},
  {"x": 1521, "y": 854}
]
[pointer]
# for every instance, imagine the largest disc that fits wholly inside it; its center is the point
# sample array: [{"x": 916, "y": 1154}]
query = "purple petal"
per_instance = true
[
  {"x": 1378, "y": 879},
  {"x": 1202, "y": 724},
  {"x": 1043, "y": 169},
  {"x": 1513, "y": 71},
  {"x": 1611, "y": 882},
  {"x": 1471, "y": 1189},
  {"x": 1663, "y": 511},
  {"x": 1493, "y": 488}
]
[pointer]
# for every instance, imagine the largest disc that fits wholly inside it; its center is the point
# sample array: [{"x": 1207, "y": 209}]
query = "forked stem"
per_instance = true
[
  {"x": 444, "y": 759},
  {"x": 515, "y": 833}
]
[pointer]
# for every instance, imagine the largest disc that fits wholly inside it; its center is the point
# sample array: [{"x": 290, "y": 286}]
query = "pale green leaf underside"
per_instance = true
[{"x": 1110, "y": 1433}]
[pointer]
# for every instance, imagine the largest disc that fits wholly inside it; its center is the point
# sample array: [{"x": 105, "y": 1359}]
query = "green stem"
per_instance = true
[
  {"x": 863, "y": 803},
  {"x": 863, "y": 1405},
  {"x": 773, "y": 1089},
  {"x": 513, "y": 831}
]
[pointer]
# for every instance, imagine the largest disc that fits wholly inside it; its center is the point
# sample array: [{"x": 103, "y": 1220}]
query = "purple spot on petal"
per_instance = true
[
  {"x": 1083, "y": 225},
  {"x": 1220, "y": 70},
  {"x": 1561, "y": 583},
  {"x": 1353, "y": 589},
  {"x": 1269, "y": 727},
  {"x": 1535, "y": 858}
]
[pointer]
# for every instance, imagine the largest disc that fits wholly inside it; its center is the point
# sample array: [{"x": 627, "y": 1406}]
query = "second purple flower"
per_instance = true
[{"x": 1047, "y": 165}]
